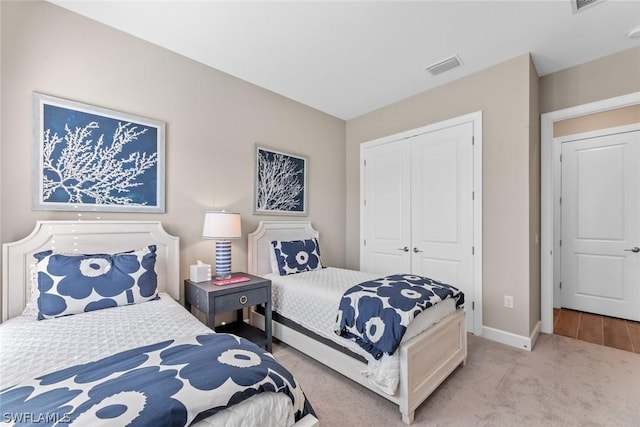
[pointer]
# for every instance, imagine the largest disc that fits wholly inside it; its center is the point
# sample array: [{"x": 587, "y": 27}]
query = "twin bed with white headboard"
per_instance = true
[
  {"x": 81, "y": 360},
  {"x": 305, "y": 306},
  {"x": 83, "y": 237}
]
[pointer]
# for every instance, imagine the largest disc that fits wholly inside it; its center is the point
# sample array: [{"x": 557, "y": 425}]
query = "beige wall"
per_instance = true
[
  {"x": 213, "y": 121},
  {"x": 604, "y": 120},
  {"x": 503, "y": 93},
  {"x": 603, "y": 78}
]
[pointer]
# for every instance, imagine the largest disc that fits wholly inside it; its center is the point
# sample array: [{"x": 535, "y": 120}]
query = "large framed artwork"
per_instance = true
[
  {"x": 87, "y": 158},
  {"x": 281, "y": 183}
]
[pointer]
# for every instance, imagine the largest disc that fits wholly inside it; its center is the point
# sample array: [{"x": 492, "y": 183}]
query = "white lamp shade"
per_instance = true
[{"x": 221, "y": 225}]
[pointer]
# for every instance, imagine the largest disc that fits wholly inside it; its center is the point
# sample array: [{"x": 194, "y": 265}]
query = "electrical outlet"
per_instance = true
[{"x": 508, "y": 301}]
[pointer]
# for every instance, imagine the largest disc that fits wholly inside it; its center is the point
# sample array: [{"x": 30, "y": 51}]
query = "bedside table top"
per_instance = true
[{"x": 209, "y": 287}]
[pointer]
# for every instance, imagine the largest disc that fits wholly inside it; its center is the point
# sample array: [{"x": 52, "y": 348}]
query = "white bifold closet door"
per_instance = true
[
  {"x": 418, "y": 207},
  {"x": 442, "y": 206}
]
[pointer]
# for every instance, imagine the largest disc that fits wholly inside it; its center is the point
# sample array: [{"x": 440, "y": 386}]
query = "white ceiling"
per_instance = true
[{"x": 347, "y": 58}]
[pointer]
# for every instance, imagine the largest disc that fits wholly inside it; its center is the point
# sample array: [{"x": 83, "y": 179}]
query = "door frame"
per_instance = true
[
  {"x": 476, "y": 119},
  {"x": 550, "y": 176}
]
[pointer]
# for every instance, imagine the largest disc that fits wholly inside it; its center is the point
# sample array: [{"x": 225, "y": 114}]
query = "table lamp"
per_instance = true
[{"x": 222, "y": 226}]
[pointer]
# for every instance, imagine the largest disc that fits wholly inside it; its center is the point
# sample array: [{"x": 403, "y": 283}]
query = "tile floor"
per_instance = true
[{"x": 607, "y": 331}]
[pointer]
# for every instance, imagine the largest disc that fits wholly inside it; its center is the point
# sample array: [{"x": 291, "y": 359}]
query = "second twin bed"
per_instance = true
[{"x": 305, "y": 304}]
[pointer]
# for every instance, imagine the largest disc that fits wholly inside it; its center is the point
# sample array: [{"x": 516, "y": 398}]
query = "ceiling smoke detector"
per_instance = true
[
  {"x": 444, "y": 65},
  {"x": 580, "y": 5}
]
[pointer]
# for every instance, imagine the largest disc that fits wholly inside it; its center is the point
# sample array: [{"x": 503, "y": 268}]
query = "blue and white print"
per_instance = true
[
  {"x": 376, "y": 314},
  {"x": 297, "y": 256},
  {"x": 280, "y": 182},
  {"x": 71, "y": 284},
  {"x": 172, "y": 383},
  {"x": 94, "y": 159}
]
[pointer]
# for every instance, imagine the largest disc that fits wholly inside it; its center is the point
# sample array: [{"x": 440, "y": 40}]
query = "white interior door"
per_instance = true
[
  {"x": 601, "y": 225},
  {"x": 387, "y": 219},
  {"x": 442, "y": 208}
]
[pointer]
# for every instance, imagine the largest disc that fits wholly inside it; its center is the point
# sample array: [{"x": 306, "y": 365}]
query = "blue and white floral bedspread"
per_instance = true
[
  {"x": 171, "y": 383},
  {"x": 376, "y": 314}
]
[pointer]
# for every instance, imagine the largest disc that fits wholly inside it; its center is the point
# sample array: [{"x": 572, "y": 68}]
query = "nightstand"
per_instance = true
[{"x": 212, "y": 299}]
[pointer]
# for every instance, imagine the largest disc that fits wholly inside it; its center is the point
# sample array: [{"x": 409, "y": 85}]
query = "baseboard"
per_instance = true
[{"x": 513, "y": 340}]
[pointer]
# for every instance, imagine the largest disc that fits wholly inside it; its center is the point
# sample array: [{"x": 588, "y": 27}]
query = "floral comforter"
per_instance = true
[
  {"x": 375, "y": 314},
  {"x": 171, "y": 383}
]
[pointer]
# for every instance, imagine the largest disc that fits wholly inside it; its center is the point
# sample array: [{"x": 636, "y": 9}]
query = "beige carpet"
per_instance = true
[{"x": 562, "y": 382}]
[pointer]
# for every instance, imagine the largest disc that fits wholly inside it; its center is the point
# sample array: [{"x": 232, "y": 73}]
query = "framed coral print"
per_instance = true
[
  {"x": 281, "y": 183},
  {"x": 87, "y": 158}
]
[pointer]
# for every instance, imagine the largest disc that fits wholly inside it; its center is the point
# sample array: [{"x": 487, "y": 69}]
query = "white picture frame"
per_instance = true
[{"x": 88, "y": 158}]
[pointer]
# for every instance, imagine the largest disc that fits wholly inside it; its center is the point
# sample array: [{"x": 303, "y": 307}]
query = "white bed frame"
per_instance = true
[
  {"x": 91, "y": 237},
  {"x": 85, "y": 237},
  {"x": 425, "y": 361}
]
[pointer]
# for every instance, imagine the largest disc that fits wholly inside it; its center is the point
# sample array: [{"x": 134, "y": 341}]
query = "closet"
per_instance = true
[{"x": 417, "y": 207}]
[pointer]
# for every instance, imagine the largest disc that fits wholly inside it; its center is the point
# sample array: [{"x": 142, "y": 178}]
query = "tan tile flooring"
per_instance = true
[{"x": 607, "y": 331}]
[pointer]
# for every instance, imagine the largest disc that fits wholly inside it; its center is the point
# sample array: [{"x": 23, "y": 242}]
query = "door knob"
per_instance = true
[
  {"x": 405, "y": 249},
  {"x": 416, "y": 250},
  {"x": 635, "y": 250}
]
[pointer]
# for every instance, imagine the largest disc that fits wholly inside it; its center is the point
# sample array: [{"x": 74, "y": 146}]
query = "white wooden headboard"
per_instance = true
[
  {"x": 267, "y": 231},
  {"x": 85, "y": 237}
]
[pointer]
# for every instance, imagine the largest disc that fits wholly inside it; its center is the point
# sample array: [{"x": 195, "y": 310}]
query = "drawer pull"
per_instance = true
[{"x": 243, "y": 299}]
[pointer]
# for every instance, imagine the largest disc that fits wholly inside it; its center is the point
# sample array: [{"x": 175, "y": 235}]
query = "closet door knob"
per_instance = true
[
  {"x": 634, "y": 250},
  {"x": 416, "y": 250},
  {"x": 405, "y": 249}
]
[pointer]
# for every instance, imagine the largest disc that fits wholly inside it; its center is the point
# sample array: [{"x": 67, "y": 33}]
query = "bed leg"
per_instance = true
[{"x": 408, "y": 418}]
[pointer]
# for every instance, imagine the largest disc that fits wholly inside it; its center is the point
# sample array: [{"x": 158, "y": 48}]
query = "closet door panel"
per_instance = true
[
  {"x": 387, "y": 214},
  {"x": 436, "y": 201},
  {"x": 442, "y": 185}
]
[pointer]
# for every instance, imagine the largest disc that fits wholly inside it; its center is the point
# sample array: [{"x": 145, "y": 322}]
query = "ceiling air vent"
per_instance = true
[
  {"x": 580, "y": 5},
  {"x": 445, "y": 65}
]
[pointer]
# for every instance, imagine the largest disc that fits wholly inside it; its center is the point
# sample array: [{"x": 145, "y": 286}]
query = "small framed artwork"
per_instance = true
[
  {"x": 87, "y": 158},
  {"x": 281, "y": 183}
]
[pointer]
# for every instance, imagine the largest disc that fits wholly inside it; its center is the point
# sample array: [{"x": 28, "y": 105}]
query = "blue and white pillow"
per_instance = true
[
  {"x": 296, "y": 256},
  {"x": 72, "y": 284}
]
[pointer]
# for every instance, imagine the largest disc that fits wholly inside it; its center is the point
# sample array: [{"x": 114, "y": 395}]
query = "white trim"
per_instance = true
[
  {"x": 598, "y": 133},
  {"x": 513, "y": 340},
  {"x": 477, "y": 222},
  {"x": 476, "y": 119},
  {"x": 471, "y": 117},
  {"x": 550, "y": 190},
  {"x": 308, "y": 421}
]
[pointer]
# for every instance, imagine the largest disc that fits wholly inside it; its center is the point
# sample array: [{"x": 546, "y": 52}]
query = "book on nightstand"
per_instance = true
[{"x": 231, "y": 280}]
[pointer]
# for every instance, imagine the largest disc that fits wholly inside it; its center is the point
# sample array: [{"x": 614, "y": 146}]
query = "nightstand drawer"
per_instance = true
[
  {"x": 214, "y": 300},
  {"x": 239, "y": 300}
]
